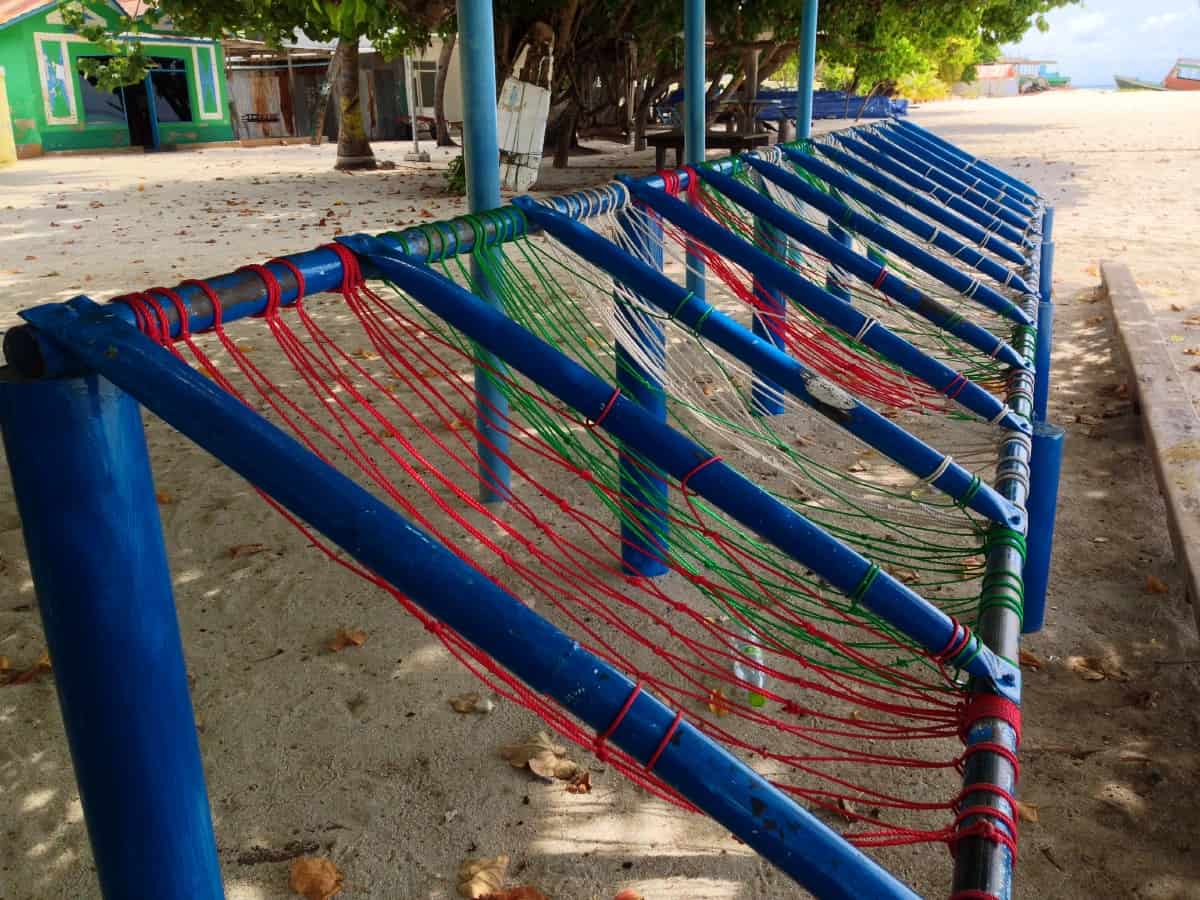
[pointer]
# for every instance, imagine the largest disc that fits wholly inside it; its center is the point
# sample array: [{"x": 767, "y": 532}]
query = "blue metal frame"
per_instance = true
[
  {"x": 81, "y": 475},
  {"x": 807, "y": 69},
  {"x": 968, "y": 159},
  {"x": 841, "y": 315},
  {"x": 1041, "y": 395},
  {"x": 480, "y": 143},
  {"x": 905, "y": 249},
  {"x": 837, "y": 248},
  {"x": 545, "y": 658},
  {"x": 768, "y": 322},
  {"x": 1044, "y": 469},
  {"x": 695, "y": 111}
]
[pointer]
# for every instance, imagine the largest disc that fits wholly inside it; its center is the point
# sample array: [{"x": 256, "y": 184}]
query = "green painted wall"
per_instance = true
[{"x": 40, "y": 58}]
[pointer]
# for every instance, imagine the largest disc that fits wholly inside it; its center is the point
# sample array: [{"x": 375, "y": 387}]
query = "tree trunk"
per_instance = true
[
  {"x": 354, "y": 150},
  {"x": 439, "y": 91},
  {"x": 566, "y": 136},
  {"x": 318, "y": 122}
]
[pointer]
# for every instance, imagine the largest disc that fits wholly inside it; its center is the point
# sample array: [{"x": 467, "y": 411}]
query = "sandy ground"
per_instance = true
[{"x": 356, "y": 755}]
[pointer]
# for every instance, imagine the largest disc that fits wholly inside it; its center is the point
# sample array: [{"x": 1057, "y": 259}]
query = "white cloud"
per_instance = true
[
  {"x": 1087, "y": 24},
  {"x": 1154, "y": 23}
]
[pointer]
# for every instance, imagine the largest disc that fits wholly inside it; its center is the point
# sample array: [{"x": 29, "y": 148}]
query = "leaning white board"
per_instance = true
[{"x": 521, "y": 121}]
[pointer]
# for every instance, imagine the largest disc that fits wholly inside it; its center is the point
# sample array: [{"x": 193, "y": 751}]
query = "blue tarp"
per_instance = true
[{"x": 781, "y": 104}]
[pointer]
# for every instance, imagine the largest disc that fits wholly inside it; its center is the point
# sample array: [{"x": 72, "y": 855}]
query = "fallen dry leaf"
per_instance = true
[
  {"x": 582, "y": 783},
  {"x": 1155, "y": 585},
  {"x": 629, "y": 894},
  {"x": 5, "y": 664},
  {"x": 1094, "y": 668},
  {"x": 164, "y": 498},
  {"x": 1028, "y": 812},
  {"x": 237, "y": 551},
  {"x": 1192, "y": 351},
  {"x": 1192, "y": 320},
  {"x": 1175, "y": 307},
  {"x": 363, "y": 353},
  {"x": 480, "y": 877},
  {"x": 315, "y": 878},
  {"x": 1030, "y": 660},
  {"x": 846, "y": 807},
  {"x": 525, "y": 892},
  {"x": 542, "y": 756},
  {"x": 472, "y": 703},
  {"x": 347, "y": 637},
  {"x": 11, "y": 676}
]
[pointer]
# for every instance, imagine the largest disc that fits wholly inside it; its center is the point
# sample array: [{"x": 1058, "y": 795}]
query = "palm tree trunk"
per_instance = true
[
  {"x": 439, "y": 91},
  {"x": 354, "y": 150}
]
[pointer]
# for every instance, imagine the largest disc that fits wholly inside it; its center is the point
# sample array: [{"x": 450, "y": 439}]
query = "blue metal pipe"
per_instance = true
[
  {"x": 935, "y": 211},
  {"x": 978, "y": 192},
  {"x": 1045, "y": 336},
  {"x": 902, "y": 217},
  {"x": 643, "y": 489},
  {"x": 967, "y": 157},
  {"x": 826, "y": 398},
  {"x": 694, "y": 112},
  {"x": 842, "y": 316},
  {"x": 959, "y": 281},
  {"x": 481, "y": 153},
  {"x": 537, "y": 652},
  {"x": 979, "y": 181},
  {"x": 892, "y": 148},
  {"x": 834, "y": 284},
  {"x": 81, "y": 475},
  {"x": 882, "y": 161},
  {"x": 865, "y": 269},
  {"x": 806, "y": 69},
  {"x": 1044, "y": 468},
  {"x": 962, "y": 162},
  {"x": 768, "y": 322}
]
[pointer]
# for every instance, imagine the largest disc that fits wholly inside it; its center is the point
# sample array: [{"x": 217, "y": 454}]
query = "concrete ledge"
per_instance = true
[{"x": 1169, "y": 419}]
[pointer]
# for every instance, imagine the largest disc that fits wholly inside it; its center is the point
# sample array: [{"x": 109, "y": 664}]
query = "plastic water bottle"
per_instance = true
[{"x": 751, "y": 675}]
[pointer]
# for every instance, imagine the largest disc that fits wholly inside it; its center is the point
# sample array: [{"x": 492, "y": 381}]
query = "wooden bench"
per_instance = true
[{"x": 715, "y": 140}]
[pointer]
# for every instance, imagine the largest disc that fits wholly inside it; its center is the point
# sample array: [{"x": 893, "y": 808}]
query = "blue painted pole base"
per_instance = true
[
  {"x": 1044, "y": 469},
  {"x": 81, "y": 474}
]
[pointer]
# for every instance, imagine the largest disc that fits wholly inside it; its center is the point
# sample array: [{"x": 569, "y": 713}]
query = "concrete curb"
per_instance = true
[{"x": 1169, "y": 419}]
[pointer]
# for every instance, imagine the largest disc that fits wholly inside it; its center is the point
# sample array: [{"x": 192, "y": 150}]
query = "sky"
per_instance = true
[{"x": 1096, "y": 39}]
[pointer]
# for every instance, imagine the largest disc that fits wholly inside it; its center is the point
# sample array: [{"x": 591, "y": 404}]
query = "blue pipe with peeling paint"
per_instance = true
[
  {"x": 917, "y": 181},
  {"x": 534, "y": 650},
  {"x": 81, "y": 475},
  {"x": 826, "y": 398},
  {"x": 865, "y": 269},
  {"x": 959, "y": 281},
  {"x": 892, "y": 147},
  {"x": 841, "y": 315},
  {"x": 481, "y": 153},
  {"x": 1045, "y": 466},
  {"x": 902, "y": 217},
  {"x": 934, "y": 211}
]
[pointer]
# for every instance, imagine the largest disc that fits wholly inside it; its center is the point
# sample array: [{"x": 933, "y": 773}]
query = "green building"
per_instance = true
[{"x": 54, "y": 107}]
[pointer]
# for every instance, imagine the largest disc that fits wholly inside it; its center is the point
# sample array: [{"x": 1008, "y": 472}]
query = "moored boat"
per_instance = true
[
  {"x": 1125, "y": 83},
  {"x": 1184, "y": 76}
]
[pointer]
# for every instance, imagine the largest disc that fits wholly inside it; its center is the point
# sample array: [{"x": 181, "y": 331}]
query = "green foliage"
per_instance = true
[
  {"x": 922, "y": 86},
  {"x": 456, "y": 176},
  {"x": 836, "y": 77},
  {"x": 128, "y": 61}
]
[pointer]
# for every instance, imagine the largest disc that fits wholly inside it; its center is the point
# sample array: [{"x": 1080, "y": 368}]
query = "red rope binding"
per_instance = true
[
  {"x": 708, "y": 462},
  {"x": 604, "y": 412},
  {"x": 598, "y": 747},
  {"x": 662, "y": 745}
]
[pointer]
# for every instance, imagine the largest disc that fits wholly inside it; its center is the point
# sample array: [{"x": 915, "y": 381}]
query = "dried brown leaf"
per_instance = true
[
  {"x": 847, "y": 809},
  {"x": 629, "y": 894},
  {"x": 1192, "y": 351},
  {"x": 237, "y": 551},
  {"x": 315, "y": 878},
  {"x": 1095, "y": 668},
  {"x": 1028, "y": 812},
  {"x": 164, "y": 498},
  {"x": 542, "y": 757},
  {"x": 717, "y": 704},
  {"x": 582, "y": 783},
  {"x": 347, "y": 637},
  {"x": 472, "y": 703},
  {"x": 1155, "y": 585},
  {"x": 1030, "y": 660},
  {"x": 480, "y": 877},
  {"x": 5, "y": 664},
  {"x": 525, "y": 892}
]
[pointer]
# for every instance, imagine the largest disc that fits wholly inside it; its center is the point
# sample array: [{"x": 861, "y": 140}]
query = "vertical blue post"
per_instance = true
[
  {"x": 768, "y": 396},
  {"x": 481, "y": 152},
  {"x": 644, "y": 530},
  {"x": 833, "y": 284},
  {"x": 81, "y": 475},
  {"x": 152, "y": 110},
  {"x": 694, "y": 112},
  {"x": 807, "y": 69},
  {"x": 1044, "y": 468},
  {"x": 1045, "y": 320}
]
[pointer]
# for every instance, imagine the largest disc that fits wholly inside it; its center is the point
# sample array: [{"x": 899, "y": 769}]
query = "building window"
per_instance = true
[
  {"x": 426, "y": 75},
  {"x": 172, "y": 94},
  {"x": 100, "y": 107}
]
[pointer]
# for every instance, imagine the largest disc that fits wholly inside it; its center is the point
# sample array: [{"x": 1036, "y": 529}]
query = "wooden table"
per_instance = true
[{"x": 714, "y": 140}]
